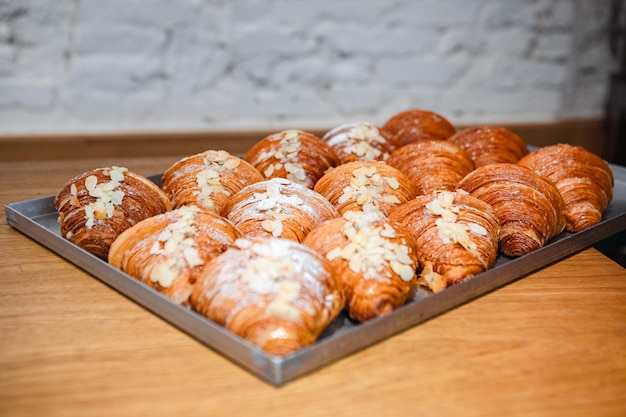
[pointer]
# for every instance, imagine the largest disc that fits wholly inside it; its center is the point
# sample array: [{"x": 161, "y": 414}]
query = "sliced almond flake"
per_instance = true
[
  {"x": 333, "y": 254},
  {"x": 91, "y": 182},
  {"x": 73, "y": 189},
  {"x": 392, "y": 182}
]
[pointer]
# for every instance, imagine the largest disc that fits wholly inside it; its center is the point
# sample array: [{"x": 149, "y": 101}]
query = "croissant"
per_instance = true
[
  {"x": 530, "y": 208},
  {"x": 278, "y": 207},
  {"x": 432, "y": 165},
  {"x": 414, "y": 125},
  {"x": 276, "y": 293},
  {"x": 365, "y": 186},
  {"x": 98, "y": 205},
  {"x": 298, "y": 156},
  {"x": 169, "y": 250},
  {"x": 456, "y": 236},
  {"x": 207, "y": 179},
  {"x": 359, "y": 141},
  {"x": 375, "y": 260},
  {"x": 490, "y": 144},
  {"x": 584, "y": 180}
]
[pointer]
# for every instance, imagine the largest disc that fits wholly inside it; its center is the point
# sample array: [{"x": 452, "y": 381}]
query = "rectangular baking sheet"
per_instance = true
[{"x": 37, "y": 219}]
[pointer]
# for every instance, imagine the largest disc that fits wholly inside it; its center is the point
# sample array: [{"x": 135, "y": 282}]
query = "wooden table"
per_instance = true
[{"x": 550, "y": 344}]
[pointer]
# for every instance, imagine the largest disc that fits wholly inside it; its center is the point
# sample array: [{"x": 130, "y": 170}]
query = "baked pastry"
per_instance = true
[
  {"x": 456, "y": 236},
  {"x": 530, "y": 208},
  {"x": 414, "y": 125},
  {"x": 584, "y": 180},
  {"x": 374, "y": 258},
  {"x": 278, "y": 207},
  {"x": 98, "y": 205},
  {"x": 365, "y": 186},
  {"x": 207, "y": 179},
  {"x": 298, "y": 156},
  {"x": 360, "y": 141},
  {"x": 432, "y": 165},
  {"x": 276, "y": 293},
  {"x": 490, "y": 144},
  {"x": 169, "y": 250}
]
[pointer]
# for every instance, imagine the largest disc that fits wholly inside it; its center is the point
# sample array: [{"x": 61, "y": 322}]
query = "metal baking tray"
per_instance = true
[{"x": 37, "y": 219}]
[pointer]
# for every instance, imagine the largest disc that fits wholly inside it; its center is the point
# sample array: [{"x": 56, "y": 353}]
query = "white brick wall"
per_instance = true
[{"x": 154, "y": 65}]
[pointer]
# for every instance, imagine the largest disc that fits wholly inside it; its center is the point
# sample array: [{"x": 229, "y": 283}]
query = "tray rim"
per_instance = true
[{"x": 279, "y": 370}]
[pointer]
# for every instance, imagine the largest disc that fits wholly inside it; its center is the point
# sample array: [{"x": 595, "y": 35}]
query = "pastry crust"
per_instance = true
[
  {"x": 360, "y": 141},
  {"x": 365, "y": 186},
  {"x": 207, "y": 179},
  {"x": 278, "y": 208},
  {"x": 374, "y": 258},
  {"x": 416, "y": 124},
  {"x": 98, "y": 205},
  {"x": 276, "y": 293},
  {"x": 168, "y": 251},
  {"x": 456, "y": 236},
  {"x": 490, "y": 144},
  {"x": 298, "y": 156},
  {"x": 584, "y": 180},
  {"x": 530, "y": 208},
  {"x": 432, "y": 165}
]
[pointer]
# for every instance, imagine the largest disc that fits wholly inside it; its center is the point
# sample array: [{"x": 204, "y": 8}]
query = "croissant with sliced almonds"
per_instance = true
[
  {"x": 456, "y": 236},
  {"x": 278, "y": 207},
  {"x": 415, "y": 125},
  {"x": 207, "y": 179},
  {"x": 584, "y": 180},
  {"x": 359, "y": 141},
  {"x": 530, "y": 208},
  {"x": 490, "y": 144},
  {"x": 365, "y": 186},
  {"x": 276, "y": 293},
  {"x": 98, "y": 205},
  {"x": 169, "y": 250},
  {"x": 375, "y": 259},
  {"x": 432, "y": 165},
  {"x": 296, "y": 155}
]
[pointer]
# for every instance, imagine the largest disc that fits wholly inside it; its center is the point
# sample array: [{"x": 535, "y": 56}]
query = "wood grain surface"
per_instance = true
[{"x": 550, "y": 344}]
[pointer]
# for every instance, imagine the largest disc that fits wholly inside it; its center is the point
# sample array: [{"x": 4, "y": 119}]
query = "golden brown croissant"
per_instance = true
[
  {"x": 530, "y": 208},
  {"x": 359, "y": 141},
  {"x": 207, "y": 179},
  {"x": 98, "y": 205},
  {"x": 414, "y": 125},
  {"x": 456, "y": 236},
  {"x": 168, "y": 251},
  {"x": 276, "y": 293},
  {"x": 375, "y": 259},
  {"x": 490, "y": 144},
  {"x": 298, "y": 156},
  {"x": 365, "y": 186},
  {"x": 584, "y": 180},
  {"x": 278, "y": 207},
  {"x": 432, "y": 165}
]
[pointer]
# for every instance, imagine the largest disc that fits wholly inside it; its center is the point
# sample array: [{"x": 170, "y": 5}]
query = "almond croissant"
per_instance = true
[
  {"x": 298, "y": 156},
  {"x": 276, "y": 293},
  {"x": 98, "y": 205},
  {"x": 278, "y": 207},
  {"x": 168, "y": 251},
  {"x": 375, "y": 259},
  {"x": 365, "y": 186},
  {"x": 207, "y": 179},
  {"x": 456, "y": 236}
]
